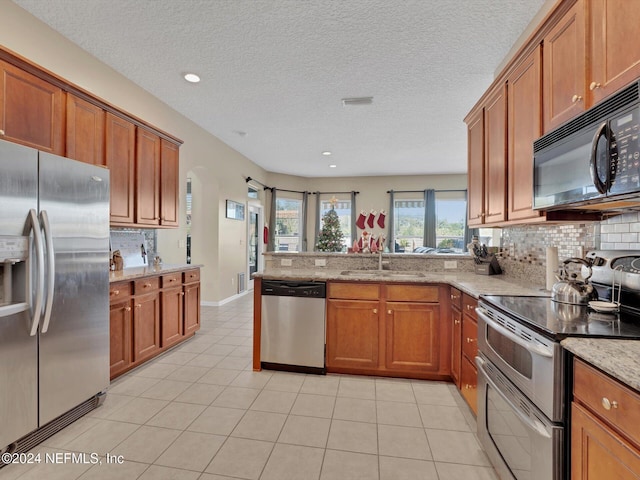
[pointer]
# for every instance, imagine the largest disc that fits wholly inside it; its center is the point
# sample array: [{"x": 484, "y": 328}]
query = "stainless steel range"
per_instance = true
[{"x": 523, "y": 387}]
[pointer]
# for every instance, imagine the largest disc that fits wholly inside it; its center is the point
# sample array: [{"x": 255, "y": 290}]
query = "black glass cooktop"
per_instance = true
[{"x": 559, "y": 320}]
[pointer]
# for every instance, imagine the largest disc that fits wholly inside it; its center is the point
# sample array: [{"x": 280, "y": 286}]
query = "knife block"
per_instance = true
[{"x": 488, "y": 266}]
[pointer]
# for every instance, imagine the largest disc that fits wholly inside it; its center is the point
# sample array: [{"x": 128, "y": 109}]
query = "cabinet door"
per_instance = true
[
  {"x": 469, "y": 338},
  {"x": 469, "y": 383},
  {"x": 495, "y": 145},
  {"x": 191, "y": 308},
  {"x": 146, "y": 326},
  {"x": 456, "y": 346},
  {"x": 524, "y": 97},
  {"x": 172, "y": 316},
  {"x": 147, "y": 178},
  {"x": 169, "y": 189},
  {"x": 120, "y": 337},
  {"x": 31, "y": 110},
  {"x": 615, "y": 53},
  {"x": 119, "y": 156},
  {"x": 475, "y": 168},
  {"x": 352, "y": 334},
  {"x": 85, "y": 131},
  {"x": 412, "y": 336},
  {"x": 564, "y": 68},
  {"x": 597, "y": 452}
]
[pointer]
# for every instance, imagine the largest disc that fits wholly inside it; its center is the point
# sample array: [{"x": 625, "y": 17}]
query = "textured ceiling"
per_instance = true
[{"x": 277, "y": 70}]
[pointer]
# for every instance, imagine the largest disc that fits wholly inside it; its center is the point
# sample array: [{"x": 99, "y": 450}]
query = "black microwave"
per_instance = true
[{"x": 593, "y": 161}]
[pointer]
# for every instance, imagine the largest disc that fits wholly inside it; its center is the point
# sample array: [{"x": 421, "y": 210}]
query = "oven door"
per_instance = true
[
  {"x": 531, "y": 361},
  {"x": 519, "y": 440}
]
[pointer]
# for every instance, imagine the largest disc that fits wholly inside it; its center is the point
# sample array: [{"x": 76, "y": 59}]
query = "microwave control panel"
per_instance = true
[{"x": 625, "y": 151}]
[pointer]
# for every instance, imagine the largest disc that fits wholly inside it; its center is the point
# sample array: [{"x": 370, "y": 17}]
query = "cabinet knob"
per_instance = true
[
  {"x": 471, "y": 340},
  {"x": 172, "y": 280},
  {"x": 469, "y": 307},
  {"x": 1, "y": 132},
  {"x": 182, "y": 293},
  {"x": 456, "y": 322},
  {"x": 138, "y": 305},
  {"x": 116, "y": 292},
  {"x": 467, "y": 386},
  {"x": 389, "y": 312},
  {"x": 608, "y": 404},
  {"x": 127, "y": 309},
  {"x": 576, "y": 98},
  {"x": 375, "y": 310},
  {"x": 147, "y": 285},
  {"x": 594, "y": 85}
]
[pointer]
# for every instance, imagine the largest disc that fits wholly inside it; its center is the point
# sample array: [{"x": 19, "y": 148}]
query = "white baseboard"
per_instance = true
[{"x": 225, "y": 301}]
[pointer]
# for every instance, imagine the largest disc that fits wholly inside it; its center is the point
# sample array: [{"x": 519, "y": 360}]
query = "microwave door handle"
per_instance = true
[
  {"x": 538, "y": 350},
  {"x": 51, "y": 273},
  {"x": 33, "y": 225},
  {"x": 595, "y": 178},
  {"x": 529, "y": 422}
]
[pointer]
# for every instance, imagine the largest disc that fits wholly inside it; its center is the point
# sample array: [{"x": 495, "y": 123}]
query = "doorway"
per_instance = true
[{"x": 255, "y": 243}]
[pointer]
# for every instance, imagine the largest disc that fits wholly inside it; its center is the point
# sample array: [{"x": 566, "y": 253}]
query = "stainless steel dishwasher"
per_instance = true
[{"x": 293, "y": 326}]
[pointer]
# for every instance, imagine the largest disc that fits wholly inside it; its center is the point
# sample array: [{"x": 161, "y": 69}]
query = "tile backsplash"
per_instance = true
[
  {"x": 150, "y": 239},
  {"x": 621, "y": 232}
]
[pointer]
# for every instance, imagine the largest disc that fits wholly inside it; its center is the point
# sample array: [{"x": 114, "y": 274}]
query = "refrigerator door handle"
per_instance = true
[
  {"x": 51, "y": 269},
  {"x": 33, "y": 225}
]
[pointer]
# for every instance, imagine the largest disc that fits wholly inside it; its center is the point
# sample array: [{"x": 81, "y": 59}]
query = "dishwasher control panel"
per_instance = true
[{"x": 282, "y": 288}]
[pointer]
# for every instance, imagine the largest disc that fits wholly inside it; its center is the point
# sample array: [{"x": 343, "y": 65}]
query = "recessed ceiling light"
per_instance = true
[
  {"x": 240, "y": 133},
  {"x": 333, "y": 165},
  {"x": 191, "y": 77},
  {"x": 326, "y": 153}
]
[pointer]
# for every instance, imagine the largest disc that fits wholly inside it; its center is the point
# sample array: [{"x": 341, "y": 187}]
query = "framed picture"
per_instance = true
[{"x": 235, "y": 210}]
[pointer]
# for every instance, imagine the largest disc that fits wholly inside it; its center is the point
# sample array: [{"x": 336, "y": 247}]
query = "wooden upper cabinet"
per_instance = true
[
  {"x": 564, "y": 86},
  {"x": 31, "y": 110},
  {"x": 524, "y": 98},
  {"x": 615, "y": 51},
  {"x": 119, "y": 156},
  {"x": 85, "y": 131},
  {"x": 169, "y": 186},
  {"x": 495, "y": 145},
  {"x": 475, "y": 167},
  {"x": 147, "y": 178}
]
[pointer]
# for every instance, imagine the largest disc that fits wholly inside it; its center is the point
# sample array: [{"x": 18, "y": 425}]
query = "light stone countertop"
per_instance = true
[
  {"x": 618, "y": 358},
  {"x": 139, "y": 272},
  {"x": 470, "y": 283}
]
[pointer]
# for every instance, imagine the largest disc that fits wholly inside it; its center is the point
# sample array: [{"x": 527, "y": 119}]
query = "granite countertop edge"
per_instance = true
[{"x": 139, "y": 272}]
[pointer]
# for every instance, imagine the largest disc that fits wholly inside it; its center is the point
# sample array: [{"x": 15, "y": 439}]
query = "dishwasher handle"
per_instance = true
[{"x": 294, "y": 289}]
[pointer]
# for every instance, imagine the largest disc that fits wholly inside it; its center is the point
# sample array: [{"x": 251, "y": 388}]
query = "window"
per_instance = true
[
  {"x": 450, "y": 221},
  {"x": 408, "y": 228},
  {"x": 288, "y": 215},
  {"x": 343, "y": 209},
  {"x": 252, "y": 192}
]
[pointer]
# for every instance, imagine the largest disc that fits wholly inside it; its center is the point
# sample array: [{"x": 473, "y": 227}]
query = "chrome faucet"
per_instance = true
[{"x": 379, "y": 259}]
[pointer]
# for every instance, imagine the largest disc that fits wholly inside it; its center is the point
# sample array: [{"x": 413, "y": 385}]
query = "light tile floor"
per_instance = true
[{"x": 200, "y": 412}]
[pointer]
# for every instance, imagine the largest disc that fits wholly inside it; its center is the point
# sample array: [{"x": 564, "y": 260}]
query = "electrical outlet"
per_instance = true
[
  {"x": 232, "y": 280},
  {"x": 321, "y": 262},
  {"x": 450, "y": 264},
  {"x": 285, "y": 262}
]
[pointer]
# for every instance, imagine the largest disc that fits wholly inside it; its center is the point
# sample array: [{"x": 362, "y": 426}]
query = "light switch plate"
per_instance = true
[
  {"x": 321, "y": 262},
  {"x": 285, "y": 262},
  {"x": 450, "y": 264}
]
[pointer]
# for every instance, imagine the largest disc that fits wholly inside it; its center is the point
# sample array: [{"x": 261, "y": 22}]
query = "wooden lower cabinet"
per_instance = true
[
  {"x": 150, "y": 315},
  {"x": 146, "y": 326},
  {"x": 469, "y": 346},
  {"x": 456, "y": 334},
  {"x": 469, "y": 383},
  {"x": 120, "y": 337},
  {"x": 352, "y": 334}
]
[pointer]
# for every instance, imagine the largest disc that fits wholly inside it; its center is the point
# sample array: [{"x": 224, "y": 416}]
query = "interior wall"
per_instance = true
[{"x": 218, "y": 244}]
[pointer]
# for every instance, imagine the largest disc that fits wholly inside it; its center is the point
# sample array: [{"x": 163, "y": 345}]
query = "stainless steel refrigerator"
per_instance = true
[{"x": 54, "y": 293}]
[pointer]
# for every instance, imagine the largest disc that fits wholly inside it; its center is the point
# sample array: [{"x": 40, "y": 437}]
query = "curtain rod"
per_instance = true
[
  {"x": 249, "y": 179},
  {"x": 422, "y": 191},
  {"x": 332, "y": 193}
]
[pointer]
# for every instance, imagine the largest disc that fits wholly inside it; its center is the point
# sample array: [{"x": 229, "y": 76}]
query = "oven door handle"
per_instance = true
[
  {"x": 534, "y": 425},
  {"x": 538, "y": 350}
]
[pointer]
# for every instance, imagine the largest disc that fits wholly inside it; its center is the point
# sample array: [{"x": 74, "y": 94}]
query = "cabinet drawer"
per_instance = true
[
  {"x": 469, "y": 338},
  {"x": 469, "y": 305},
  {"x": 412, "y": 293},
  {"x": 469, "y": 384},
  {"x": 456, "y": 298},
  {"x": 609, "y": 399},
  {"x": 172, "y": 280},
  {"x": 146, "y": 285},
  {"x": 191, "y": 276},
  {"x": 354, "y": 291},
  {"x": 118, "y": 291}
]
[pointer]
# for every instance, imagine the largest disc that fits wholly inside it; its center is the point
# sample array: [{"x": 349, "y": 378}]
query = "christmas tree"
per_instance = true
[{"x": 330, "y": 238}]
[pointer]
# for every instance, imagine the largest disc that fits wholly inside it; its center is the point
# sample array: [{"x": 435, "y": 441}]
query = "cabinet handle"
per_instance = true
[
  {"x": 182, "y": 293},
  {"x": 576, "y": 98},
  {"x": 115, "y": 292},
  {"x": 467, "y": 386},
  {"x": 147, "y": 285},
  {"x": 375, "y": 310},
  {"x": 469, "y": 307},
  {"x": 172, "y": 280},
  {"x": 127, "y": 309},
  {"x": 389, "y": 312},
  {"x": 609, "y": 404},
  {"x": 471, "y": 340},
  {"x": 456, "y": 322},
  {"x": 138, "y": 305},
  {"x": 1, "y": 132},
  {"x": 594, "y": 85}
]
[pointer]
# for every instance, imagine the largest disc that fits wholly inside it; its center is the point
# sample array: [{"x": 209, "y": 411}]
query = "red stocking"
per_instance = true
[
  {"x": 370, "y": 218},
  {"x": 381, "y": 218},
  {"x": 360, "y": 221}
]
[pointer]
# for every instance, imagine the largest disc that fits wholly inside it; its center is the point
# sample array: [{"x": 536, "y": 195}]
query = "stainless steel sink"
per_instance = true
[{"x": 381, "y": 273}]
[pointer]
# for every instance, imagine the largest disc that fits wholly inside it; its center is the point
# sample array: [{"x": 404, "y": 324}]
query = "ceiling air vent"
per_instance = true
[{"x": 346, "y": 102}]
